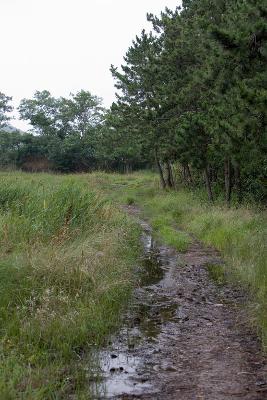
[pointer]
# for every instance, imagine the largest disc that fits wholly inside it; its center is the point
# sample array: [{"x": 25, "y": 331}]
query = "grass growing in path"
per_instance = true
[
  {"x": 217, "y": 273},
  {"x": 238, "y": 233},
  {"x": 66, "y": 271}
]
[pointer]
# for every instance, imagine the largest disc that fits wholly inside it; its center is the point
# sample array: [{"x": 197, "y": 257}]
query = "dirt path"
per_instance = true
[{"x": 183, "y": 337}]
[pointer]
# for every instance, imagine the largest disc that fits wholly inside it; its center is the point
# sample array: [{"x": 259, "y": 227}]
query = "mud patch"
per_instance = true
[{"x": 183, "y": 337}]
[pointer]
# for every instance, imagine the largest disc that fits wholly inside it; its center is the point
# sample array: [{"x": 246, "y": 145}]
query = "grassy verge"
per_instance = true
[
  {"x": 238, "y": 233},
  {"x": 66, "y": 271}
]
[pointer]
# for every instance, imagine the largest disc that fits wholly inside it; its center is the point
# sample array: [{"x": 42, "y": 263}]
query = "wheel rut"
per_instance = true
[{"x": 183, "y": 337}]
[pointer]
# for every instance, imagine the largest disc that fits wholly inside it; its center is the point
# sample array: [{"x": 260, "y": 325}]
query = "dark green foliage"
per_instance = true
[
  {"x": 198, "y": 91},
  {"x": 61, "y": 117},
  {"x": 68, "y": 131},
  {"x": 5, "y": 108}
]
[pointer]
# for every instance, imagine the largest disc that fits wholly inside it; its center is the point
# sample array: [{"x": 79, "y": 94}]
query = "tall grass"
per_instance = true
[
  {"x": 238, "y": 233},
  {"x": 66, "y": 271}
]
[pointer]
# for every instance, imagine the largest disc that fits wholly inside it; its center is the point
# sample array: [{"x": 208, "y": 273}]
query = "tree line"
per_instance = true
[
  {"x": 67, "y": 135},
  {"x": 63, "y": 135},
  {"x": 194, "y": 91},
  {"x": 191, "y": 93}
]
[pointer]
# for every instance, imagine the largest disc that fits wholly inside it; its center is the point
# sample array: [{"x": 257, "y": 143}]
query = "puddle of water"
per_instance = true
[
  {"x": 151, "y": 272},
  {"x": 153, "y": 316},
  {"x": 119, "y": 368}
]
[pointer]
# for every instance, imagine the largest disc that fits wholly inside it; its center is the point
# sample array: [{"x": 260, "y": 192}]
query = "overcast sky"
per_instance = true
[{"x": 67, "y": 45}]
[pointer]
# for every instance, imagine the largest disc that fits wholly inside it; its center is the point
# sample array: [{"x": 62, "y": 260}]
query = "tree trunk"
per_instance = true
[
  {"x": 162, "y": 180},
  {"x": 170, "y": 180},
  {"x": 188, "y": 174},
  {"x": 208, "y": 184},
  {"x": 172, "y": 176},
  {"x": 211, "y": 169},
  {"x": 228, "y": 181},
  {"x": 184, "y": 173},
  {"x": 238, "y": 183},
  {"x": 128, "y": 168},
  {"x": 214, "y": 174}
]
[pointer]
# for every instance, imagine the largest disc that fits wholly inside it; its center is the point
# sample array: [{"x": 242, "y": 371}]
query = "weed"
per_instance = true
[
  {"x": 217, "y": 273},
  {"x": 130, "y": 201}
]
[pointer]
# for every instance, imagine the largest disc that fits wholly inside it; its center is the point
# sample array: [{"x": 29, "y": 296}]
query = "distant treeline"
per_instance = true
[
  {"x": 68, "y": 135},
  {"x": 192, "y": 92}
]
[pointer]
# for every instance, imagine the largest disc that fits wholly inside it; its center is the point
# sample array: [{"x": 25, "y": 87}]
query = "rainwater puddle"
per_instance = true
[{"x": 125, "y": 366}]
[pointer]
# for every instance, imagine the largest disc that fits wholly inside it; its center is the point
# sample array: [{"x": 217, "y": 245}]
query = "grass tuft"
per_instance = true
[{"x": 217, "y": 273}]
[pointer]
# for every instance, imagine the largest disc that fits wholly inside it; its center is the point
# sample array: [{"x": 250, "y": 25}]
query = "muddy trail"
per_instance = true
[{"x": 183, "y": 337}]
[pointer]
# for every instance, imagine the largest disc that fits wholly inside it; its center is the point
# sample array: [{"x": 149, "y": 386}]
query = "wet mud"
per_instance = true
[{"x": 183, "y": 337}]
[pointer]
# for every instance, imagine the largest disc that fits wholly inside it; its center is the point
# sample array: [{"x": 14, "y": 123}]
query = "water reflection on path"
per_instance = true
[{"x": 124, "y": 366}]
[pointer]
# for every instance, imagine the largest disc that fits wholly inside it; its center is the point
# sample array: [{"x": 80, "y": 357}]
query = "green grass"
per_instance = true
[
  {"x": 238, "y": 233},
  {"x": 66, "y": 267},
  {"x": 217, "y": 273},
  {"x": 66, "y": 272},
  {"x": 164, "y": 230}
]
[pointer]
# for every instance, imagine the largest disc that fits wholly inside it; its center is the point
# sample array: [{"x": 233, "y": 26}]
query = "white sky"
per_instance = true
[{"x": 67, "y": 45}]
